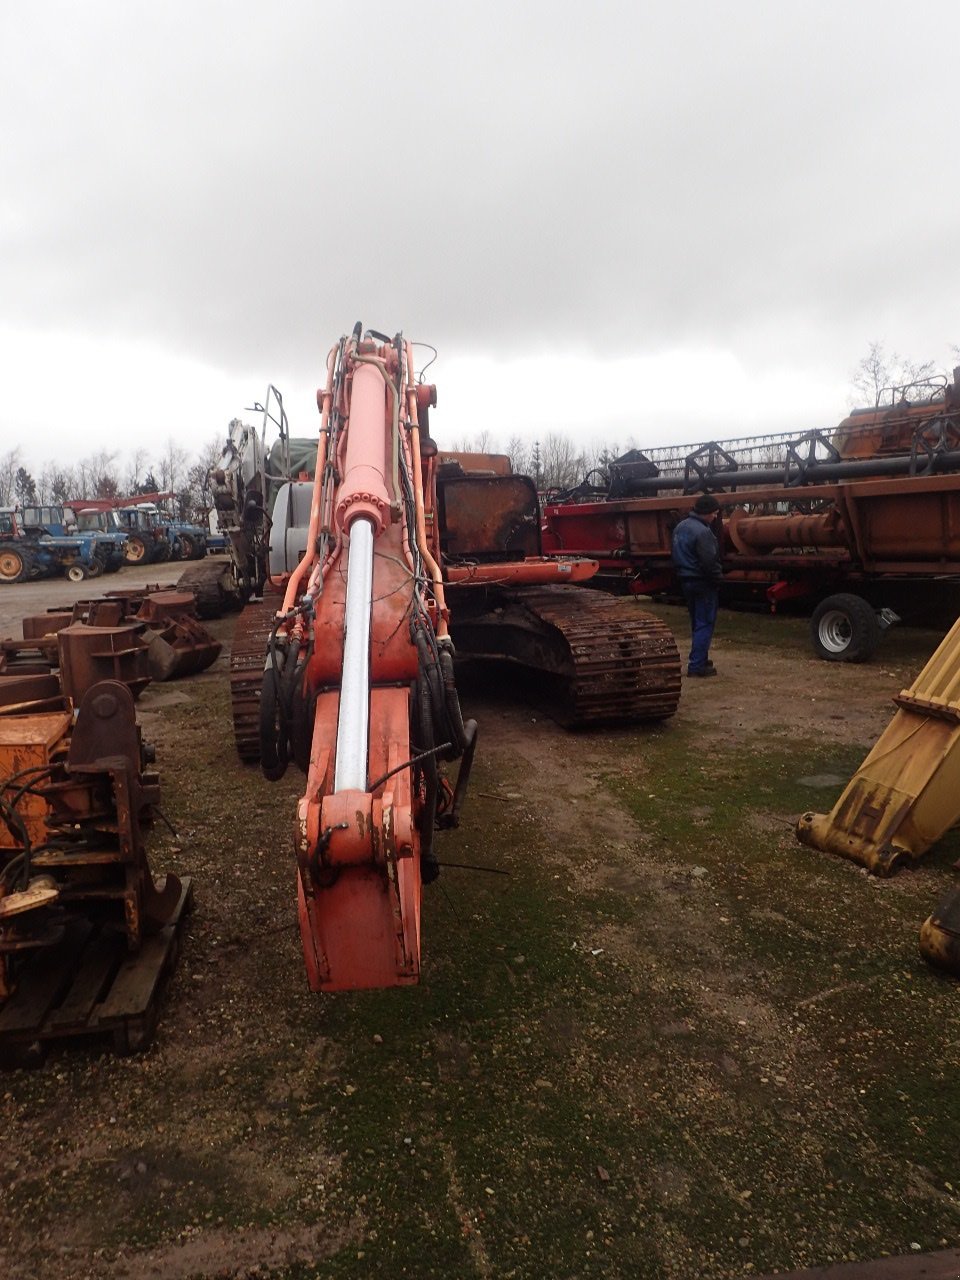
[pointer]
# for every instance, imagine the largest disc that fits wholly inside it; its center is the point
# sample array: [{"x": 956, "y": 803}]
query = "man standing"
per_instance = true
[{"x": 696, "y": 556}]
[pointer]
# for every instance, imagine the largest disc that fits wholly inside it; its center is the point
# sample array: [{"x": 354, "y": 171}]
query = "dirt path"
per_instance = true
[{"x": 670, "y": 1042}]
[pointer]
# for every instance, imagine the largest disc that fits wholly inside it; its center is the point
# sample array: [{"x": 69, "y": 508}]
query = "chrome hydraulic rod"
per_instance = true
[{"x": 353, "y": 723}]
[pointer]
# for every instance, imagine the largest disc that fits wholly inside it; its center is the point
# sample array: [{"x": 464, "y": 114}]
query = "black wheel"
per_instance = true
[
  {"x": 161, "y": 551},
  {"x": 95, "y": 567},
  {"x": 15, "y": 565},
  {"x": 76, "y": 572},
  {"x": 844, "y": 628},
  {"x": 187, "y": 551}
]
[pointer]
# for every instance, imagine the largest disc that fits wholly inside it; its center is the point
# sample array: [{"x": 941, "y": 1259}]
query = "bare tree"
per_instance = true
[
  {"x": 880, "y": 370},
  {"x": 521, "y": 455},
  {"x": 136, "y": 466},
  {"x": 562, "y": 464},
  {"x": 55, "y": 484},
  {"x": 100, "y": 474},
  {"x": 482, "y": 442},
  {"x": 9, "y": 464},
  {"x": 173, "y": 465},
  {"x": 195, "y": 497}
]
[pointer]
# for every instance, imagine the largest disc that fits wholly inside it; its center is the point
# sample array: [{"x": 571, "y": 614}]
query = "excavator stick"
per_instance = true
[
  {"x": 906, "y": 793},
  {"x": 358, "y": 684}
]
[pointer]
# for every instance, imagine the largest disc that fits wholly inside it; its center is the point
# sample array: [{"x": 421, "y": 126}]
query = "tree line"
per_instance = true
[
  {"x": 110, "y": 474},
  {"x": 555, "y": 462}
]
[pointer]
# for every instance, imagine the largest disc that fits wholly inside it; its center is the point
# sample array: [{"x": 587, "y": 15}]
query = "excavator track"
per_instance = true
[
  {"x": 246, "y": 675},
  {"x": 606, "y": 660},
  {"x": 211, "y": 581}
]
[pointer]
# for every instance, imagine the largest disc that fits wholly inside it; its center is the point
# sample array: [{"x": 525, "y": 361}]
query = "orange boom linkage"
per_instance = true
[{"x": 359, "y": 676}]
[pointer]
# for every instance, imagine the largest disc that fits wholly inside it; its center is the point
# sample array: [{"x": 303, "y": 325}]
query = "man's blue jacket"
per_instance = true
[{"x": 696, "y": 554}]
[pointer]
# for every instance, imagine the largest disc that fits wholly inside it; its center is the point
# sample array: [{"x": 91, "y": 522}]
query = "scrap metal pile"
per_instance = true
[
  {"x": 78, "y": 902},
  {"x": 86, "y": 933}
]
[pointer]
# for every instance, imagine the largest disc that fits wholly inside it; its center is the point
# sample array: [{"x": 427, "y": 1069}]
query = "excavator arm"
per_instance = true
[{"x": 358, "y": 684}]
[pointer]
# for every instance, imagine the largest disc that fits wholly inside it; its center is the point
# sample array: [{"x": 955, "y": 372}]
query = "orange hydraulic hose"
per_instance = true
[
  {"x": 418, "y": 496},
  {"x": 293, "y": 586}
]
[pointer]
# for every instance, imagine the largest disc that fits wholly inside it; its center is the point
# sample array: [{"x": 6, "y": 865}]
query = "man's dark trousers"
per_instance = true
[{"x": 702, "y": 599}]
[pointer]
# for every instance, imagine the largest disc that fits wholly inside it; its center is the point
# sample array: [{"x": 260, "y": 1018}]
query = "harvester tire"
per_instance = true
[
  {"x": 844, "y": 628},
  {"x": 76, "y": 572},
  {"x": 135, "y": 551},
  {"x": 14, "y": 565}
]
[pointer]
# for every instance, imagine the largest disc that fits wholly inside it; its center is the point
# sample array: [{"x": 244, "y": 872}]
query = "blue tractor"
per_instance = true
[
  {"x": 105, "y": 526},
  {"x": 32, "y": 551}
]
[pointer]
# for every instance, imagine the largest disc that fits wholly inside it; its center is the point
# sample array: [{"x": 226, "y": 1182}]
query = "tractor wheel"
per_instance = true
[
  {"x": 14, "y": 565},
  {"x": 844, "y": 628},
  {"x": 135, "y": 551},
  {"x": 161, "y": 551},
  {"x": 76, "y": 572},
  {"x": 187, "y": 549},
  {"x": 95, "y": 567}
]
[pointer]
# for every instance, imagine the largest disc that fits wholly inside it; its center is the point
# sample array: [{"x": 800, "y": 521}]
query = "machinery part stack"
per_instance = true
[
  {"x": 607, "y": 660},
  {"x": 177, "y": 645},
  {"x": 162, "y": 620},
  {"x": 75, "y": 799},
  {"x": 89, "y": 654}
]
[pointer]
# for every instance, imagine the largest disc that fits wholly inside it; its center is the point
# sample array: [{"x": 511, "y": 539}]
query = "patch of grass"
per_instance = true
[{"x": 641, "y": 1053}]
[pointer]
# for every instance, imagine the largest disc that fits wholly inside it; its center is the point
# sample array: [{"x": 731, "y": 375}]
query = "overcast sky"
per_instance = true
[{"x": 650, "y": 221}]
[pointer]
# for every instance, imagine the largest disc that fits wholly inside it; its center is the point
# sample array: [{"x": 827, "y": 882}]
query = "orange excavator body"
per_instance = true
[{"x": 359, "y": 685}]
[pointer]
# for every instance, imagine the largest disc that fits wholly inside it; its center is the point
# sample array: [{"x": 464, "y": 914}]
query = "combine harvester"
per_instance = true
[
  {"x": 384, "y": 560},
  {"x": 858, "y": 523}
]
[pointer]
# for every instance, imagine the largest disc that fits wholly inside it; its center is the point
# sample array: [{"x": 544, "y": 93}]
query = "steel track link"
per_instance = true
[
  {"x": 625, "y": 663},
  {"x": 246, "y": 675},
  {"x": 599, "y": 659}
]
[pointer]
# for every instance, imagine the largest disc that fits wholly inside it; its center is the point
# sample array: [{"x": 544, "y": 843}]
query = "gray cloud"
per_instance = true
[{"x": 238, "y": 185}]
